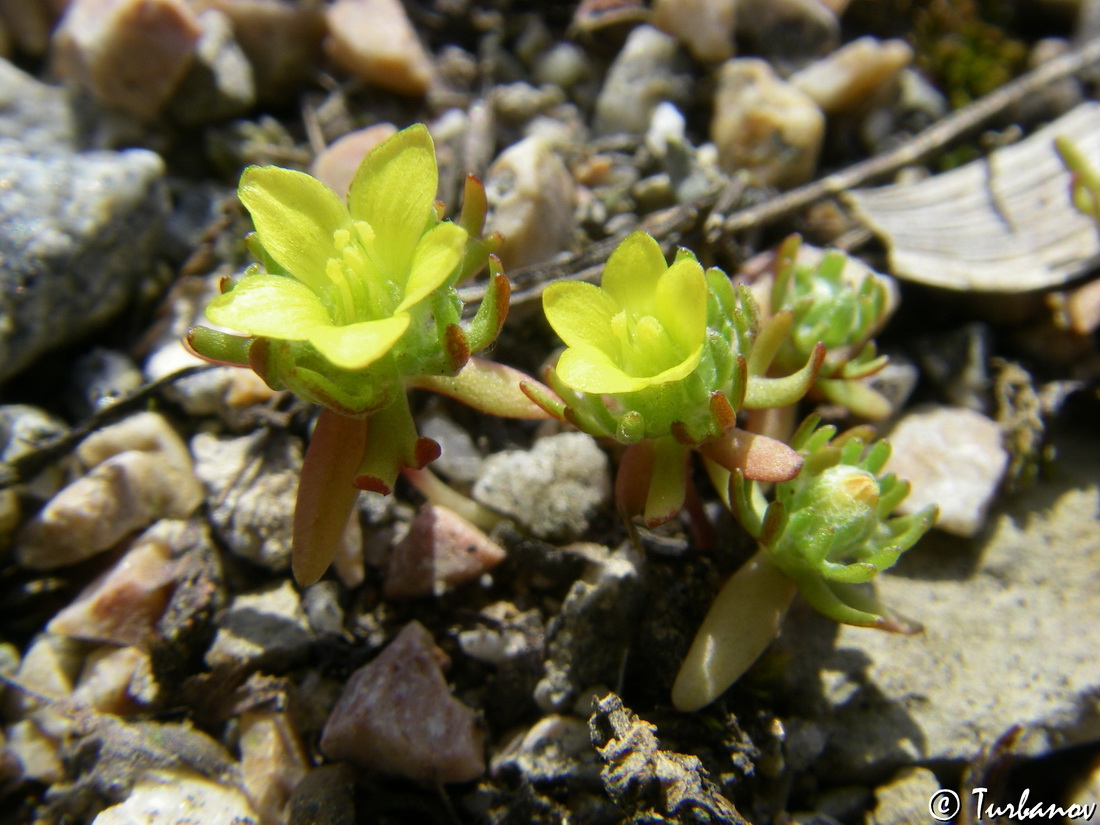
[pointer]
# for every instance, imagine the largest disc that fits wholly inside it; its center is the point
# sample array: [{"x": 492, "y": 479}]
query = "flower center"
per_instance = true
[
  {"x": 645, "y": 347},
  {"x": 359, "y": 288}
]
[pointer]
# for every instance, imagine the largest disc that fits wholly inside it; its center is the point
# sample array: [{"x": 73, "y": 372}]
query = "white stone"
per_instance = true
[
  {"x": 554, "y": 489},
  {"x": 764, "y": 125},
  {"x": 641, "y": 76},
  {"x": 954, "y": 458},
  {"x": 267, "y": 629},
  {"x": 179, "y": 797},
  {"x": 530, "y": 196},
  {"x": 374, "y": 40}
]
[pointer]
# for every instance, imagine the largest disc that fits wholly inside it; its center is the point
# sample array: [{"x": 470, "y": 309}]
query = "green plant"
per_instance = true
[
  {"x": 1084, "y": 178},
  {"x": 661, "y": 358},
  {"x": 351, "y": 304},
  {"x": 826, "y": 533}
]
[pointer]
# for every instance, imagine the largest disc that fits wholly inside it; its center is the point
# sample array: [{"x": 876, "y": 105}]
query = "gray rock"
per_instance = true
[
  {"x": 267, "y": 629},
  {"x": 219, "y": 83},
  {"x": 555, "y": 750},
  {"x": 36, "y": 115},
  {"x": 252, "y": 484},
  {"x": 1007, "y": 639},
  {"x": 554, "y": 489},
  {"x": 587, "y": 641},
  {"x": 643, "y": 75},
  {"x": 954, "y": 458},
  {"x": 79, "y": 237}
]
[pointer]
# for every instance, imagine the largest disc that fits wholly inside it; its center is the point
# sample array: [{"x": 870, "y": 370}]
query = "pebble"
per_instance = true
[
  {"x": 100, "y": 378},
  {"x": 80, "y": 236},
  {"x": 22, "y": 430},
  {"x": 589, "y": 638},
  {"x": 116, "y": 680},
  {"x": 704, "y": 26},
  {"x": 554, "y": 489},
  {"x": 140, "y": 471},
  {"x": 281, "y": 40},
  {"x": 375, "y": 41},
  {"x": 337, "y": 163},
  {"x": 764, "y": 125},
  {"x": 218, "y": 84},
  {"x": 37, "y": 115},
  {"x": 954, "y": 458},
  {"x": 556, "y": 749},
  {"x": 325, "y": 795},
  {"x": 531, "y": 199},
  {"x": 397, "y": 716},
  {"x": 266, "y": 629},
  {"x": 251, "y": 483},
  {"x": 321, "y": 602},
  {"x": 642, "y": 76},
  {"x": 131, "y": 54},
  {"x": 1004, "y": 640},
  {"x": 179, "y": 797},
  {"x": 904, "y": 800},
  {"x": 441, "y": 551},
  {"x": 460, "y": 460},
  {"x": 123, "y": 605},
  {"x": 273, "y": 761},
  {"x": 36, "y": 752},
  {"x": 789, "y": 34},
  {"x": 854, "y": 74}
]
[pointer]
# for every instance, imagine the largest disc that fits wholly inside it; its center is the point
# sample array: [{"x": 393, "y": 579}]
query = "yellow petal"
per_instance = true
[
  {"x": 587, "y": 369},
  {"x": 270, "y": 306},
  {"x": 295, "y": 216},
  {"x": 355, "y": 346},
  {"x": 681, "y": 303},
  {"x": 437, "y": 256},
  {"x": 580, "y": 314},
  {"x": 393, "y": 191},
  {"x": 633, "y": 271}
]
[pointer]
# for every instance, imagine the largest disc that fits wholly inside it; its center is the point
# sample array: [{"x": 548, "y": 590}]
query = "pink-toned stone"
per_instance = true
[
  {"x": 336, "y": 166},
  {"x": 374, "y": 40},
  {"x": 441, "y": 550},
  {"x": 396, "y": 716},
  {"x": 131, "y": 54},
  {"x": 123, "y": 605}
]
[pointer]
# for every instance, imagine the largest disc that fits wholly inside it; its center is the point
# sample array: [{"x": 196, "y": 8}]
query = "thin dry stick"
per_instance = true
[{"x": 932, "y": 139}]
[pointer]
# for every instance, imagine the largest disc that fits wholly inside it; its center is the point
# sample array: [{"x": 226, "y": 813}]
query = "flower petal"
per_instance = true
[
  {"x": 633, "y": 271},
  {"x": 355, "y": 346},
  {"x": 394, "y": 191},
  {"x": 587, "y": 369},
  {"x": 295, "y": 216},
  {"x": 681, "y": 303},
  {"x": 580, "y": 313},
  {"x": 270, "y": 306},
  {"x": 436, "y": 257}
]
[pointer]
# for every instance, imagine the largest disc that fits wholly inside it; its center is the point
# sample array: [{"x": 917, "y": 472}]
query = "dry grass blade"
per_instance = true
[{"x": 1004, "y": 223}]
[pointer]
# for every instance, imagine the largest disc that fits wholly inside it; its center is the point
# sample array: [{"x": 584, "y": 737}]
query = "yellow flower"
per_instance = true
[
  {"x": 351, "y": 273},
  {"x": 644, "y": 325}
]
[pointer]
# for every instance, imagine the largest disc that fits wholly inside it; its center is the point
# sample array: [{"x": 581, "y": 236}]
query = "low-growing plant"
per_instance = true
[{"x": 351, "y": 304}]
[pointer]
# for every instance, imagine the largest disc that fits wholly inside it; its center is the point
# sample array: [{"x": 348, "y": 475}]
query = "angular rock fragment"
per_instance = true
[
  {"x": 396, "y": 716},
  {"x": 374, "y": 40},
  {"x": 441, "y": 550}
]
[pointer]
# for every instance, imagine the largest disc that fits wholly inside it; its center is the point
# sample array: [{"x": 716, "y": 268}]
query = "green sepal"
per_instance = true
[
  {"x": 394, "y": 445},
  {"x": 219, "y": 347}
]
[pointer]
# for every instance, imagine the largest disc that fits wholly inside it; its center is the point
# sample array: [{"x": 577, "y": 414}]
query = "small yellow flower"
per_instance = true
[
  {"x": 645, "y": 325},
  {"x": 352, "y": 272}
]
